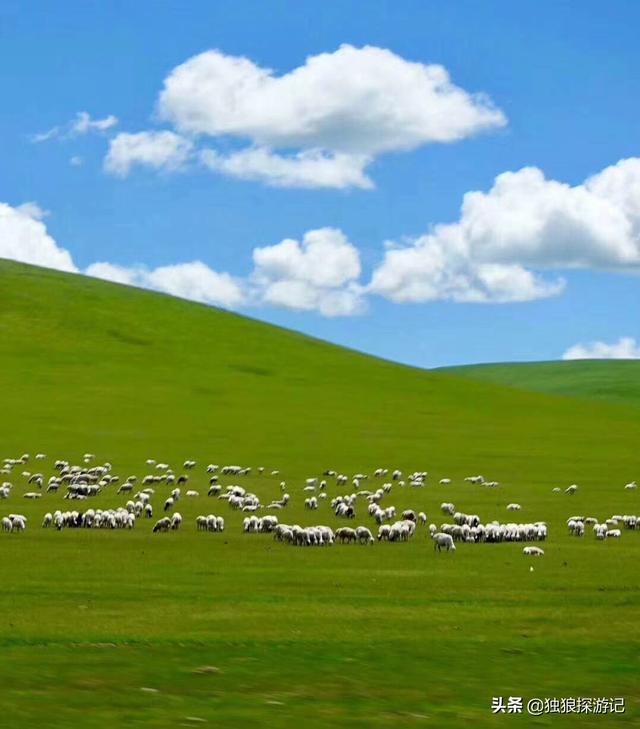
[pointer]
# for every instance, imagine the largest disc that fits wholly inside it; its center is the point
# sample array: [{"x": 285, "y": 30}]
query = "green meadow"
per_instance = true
[{"x": 128, "y": 628}]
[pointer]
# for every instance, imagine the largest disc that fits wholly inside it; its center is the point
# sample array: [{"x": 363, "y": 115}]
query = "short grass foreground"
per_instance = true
[{"x": 130, "y": 628}]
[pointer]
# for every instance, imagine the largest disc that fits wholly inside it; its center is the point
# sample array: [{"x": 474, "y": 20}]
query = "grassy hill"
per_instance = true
[
  {"x": 110, "y": 628},
  {"x": 610, "y": 380}
]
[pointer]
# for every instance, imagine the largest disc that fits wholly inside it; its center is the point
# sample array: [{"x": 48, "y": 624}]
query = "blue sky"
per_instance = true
[{"x": 564, "y": 97}]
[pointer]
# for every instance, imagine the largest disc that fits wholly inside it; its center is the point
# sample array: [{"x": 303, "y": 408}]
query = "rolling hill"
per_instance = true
[
  {"x": 615, "y": 381},
  {"x": 112, "y": 368}
]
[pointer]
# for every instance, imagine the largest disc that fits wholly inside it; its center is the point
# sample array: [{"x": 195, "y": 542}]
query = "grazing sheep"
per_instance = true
[
  {"x": 18, "y": 522},
  {"x": 364, "y": 535},
  {"x": 162, "y": 525},
  {"x": 533, "y": 551},
  {"x": 440, "y": 540},
  {"x": 346, "y": 534}
]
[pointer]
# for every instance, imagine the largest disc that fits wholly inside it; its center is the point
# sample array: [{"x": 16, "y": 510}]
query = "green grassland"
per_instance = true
[
  {"x": 611, "y": 380},
  {"x": 113, "y": 628}
]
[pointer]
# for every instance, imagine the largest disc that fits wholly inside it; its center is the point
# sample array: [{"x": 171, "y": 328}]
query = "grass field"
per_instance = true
[
  {"x": 615, "y": 381},
  {"x": 129, "y": 628}
]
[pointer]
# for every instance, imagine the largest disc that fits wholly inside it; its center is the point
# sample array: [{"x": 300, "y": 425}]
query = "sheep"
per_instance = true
[
  {"x": 440, "y": 540},
  {"x": 168, "y": 504},
  {"x": 631, "y": 486},
  {"x": 7, "y": 524},
  {"x": 402, "y": 531},
  {"x": 19, "y": 523},
  {"x": 513, "y": 507},
  {"x": 448, "y": 508},
  {"x": 364, "y": 535},
  {"x": 47, "y": 520},
  {"x": 533, "y": 551},
  {"x": 576, "y": 527},
  {"x": 384, "y": 533},
  {"x": 162, "y": 525},
  {"x": 346, "y": 534},
  {"x": 445, "y": 481},
  {"x": 422, "y": 517},
  {"x": 615, "y": 533},
  {"x": 192, "y": 493},
  {"x": 571, "y": 489},
  {"x": 176, "y": 521},
  {"x": 600, "y": 532}
]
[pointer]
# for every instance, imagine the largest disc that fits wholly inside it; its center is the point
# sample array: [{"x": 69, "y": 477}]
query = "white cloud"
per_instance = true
[
  {"x": 160, "y": 150},
  {"x": 23, "y": 237},
  {"x": 46, "y": 136},
  {"x": 331, "y": 116},
  {"x": 310, "y": 168},
  {"x": 198, "y": 282},
  {"x": 112, "y": 272},
  {"x": 76, "y": 161},
  {"x": 33, "y": 210},
  {"x": 194, "y": 281},
  {"x": 84, "y": 124},
  {"x": 624, "y": 348},
  {"x": 80, "y": 125},
  {"x": 525, "y": 224},
  {"x": 320, "y": 273}
]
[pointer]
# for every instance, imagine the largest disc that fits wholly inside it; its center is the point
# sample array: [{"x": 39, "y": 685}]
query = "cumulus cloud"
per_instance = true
[
  {"x": 159, "y": 150},
  {"x": 193, "y": 280},
  {"x": 318, "y": 273},
  {"x": 311, "y": 168},
  {"x": 508, "y": 245},
  {"x": 624, "y": 348},
  {"x": 32, "y": 210},
  {"x": 322, "y": 123},
  {"x": 24, "y": 238},
  {"x": 524, "y": 225},
  {"x": 114, "y": 273},
  {"x": 80, "y": 125}
]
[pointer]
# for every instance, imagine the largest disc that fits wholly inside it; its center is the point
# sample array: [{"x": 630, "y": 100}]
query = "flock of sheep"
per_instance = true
[{"x": 82, "y": 482}]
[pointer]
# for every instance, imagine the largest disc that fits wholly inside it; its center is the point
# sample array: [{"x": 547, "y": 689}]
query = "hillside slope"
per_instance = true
[
  {"x": 97, "y": 366},
  {"x": 609, "y": 380}
]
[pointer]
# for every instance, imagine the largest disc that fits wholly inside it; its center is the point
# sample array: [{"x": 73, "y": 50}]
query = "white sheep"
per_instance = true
[
  {"x": 440, "y": 540},
  {"x": 533, "y": 551}
]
